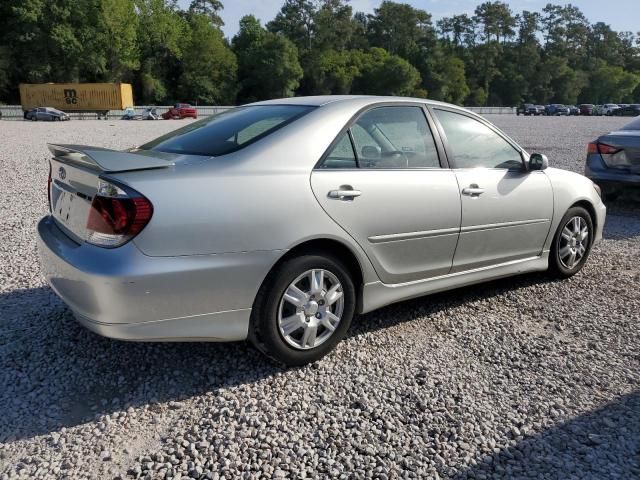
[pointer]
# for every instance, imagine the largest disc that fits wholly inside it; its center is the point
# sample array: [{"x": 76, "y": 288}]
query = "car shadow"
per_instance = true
[
  {"x": 58, "y": 374},
  {"x": 603, "y": 443}
]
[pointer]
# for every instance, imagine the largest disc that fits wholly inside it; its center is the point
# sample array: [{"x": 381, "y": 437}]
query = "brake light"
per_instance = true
[
  {"x": 592, "y": 148},
  {"x": 117, "y": 214},
  {"x": 605, "y": 149}
]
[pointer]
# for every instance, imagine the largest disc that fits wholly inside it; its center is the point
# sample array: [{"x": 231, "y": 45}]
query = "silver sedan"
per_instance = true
[{"x": 280, "y": 221}]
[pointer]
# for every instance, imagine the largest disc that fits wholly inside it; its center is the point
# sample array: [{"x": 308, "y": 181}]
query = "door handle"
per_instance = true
[
  {"x": 345, "y": 192},
  {"x": 473, "y": 190}
]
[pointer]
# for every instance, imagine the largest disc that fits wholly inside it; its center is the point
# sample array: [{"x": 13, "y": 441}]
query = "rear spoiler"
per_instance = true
[{"x": 105, "y": 160}]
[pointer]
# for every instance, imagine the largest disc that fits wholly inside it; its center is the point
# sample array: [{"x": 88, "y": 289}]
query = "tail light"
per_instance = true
[
  {"x": 117, "y": 214},
  {"x": 605, "y": 149},
  {"x": 612, "y": 156}
]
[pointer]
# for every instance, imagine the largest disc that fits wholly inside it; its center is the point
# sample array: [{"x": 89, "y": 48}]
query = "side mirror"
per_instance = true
[{"x": 538, "y": 161}]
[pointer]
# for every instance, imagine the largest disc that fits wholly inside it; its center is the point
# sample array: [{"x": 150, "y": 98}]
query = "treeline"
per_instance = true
[{"x": 494, "y": 57}]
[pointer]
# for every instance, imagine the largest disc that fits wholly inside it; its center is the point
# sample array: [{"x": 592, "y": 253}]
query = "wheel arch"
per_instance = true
[
  {"x": 335, "y": 248},
  {"x": 588, "y": 206}
]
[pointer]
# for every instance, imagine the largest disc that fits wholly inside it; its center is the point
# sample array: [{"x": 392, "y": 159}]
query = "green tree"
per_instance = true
[
  {"x": 119, "y": 25},
  {"x": 268, "y": 64},
  {"x": 333, "y": 26},
  {"x": 400, "y": 29},
  {"x": 208, "y": 65},
  {"x": 295, "y": 22},
  {"x": 455, "y": 88},
  {"x": 209, "y": 8},
  {"x": 382, "y": 73},
  {"x": 162, "y": 31},
  {"x": 495, "y": 19}
]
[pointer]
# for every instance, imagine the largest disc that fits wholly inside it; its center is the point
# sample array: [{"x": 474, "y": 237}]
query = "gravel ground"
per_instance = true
[{"x": 522, "y": 378}]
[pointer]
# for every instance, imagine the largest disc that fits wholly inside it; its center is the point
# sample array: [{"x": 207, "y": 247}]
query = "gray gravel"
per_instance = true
[{"x": 527, "y": 377}]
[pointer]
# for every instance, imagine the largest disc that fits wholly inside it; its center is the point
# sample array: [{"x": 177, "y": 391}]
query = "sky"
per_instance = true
[{"x": 622, "y": 15}]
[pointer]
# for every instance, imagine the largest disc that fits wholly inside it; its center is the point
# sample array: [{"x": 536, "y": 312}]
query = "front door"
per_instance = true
[
  {"x": 506, "y": 209},
  {"x": 382, "y": 182}
]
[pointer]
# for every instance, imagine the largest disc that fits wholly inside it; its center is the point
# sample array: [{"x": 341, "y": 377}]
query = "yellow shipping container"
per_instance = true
[{"x": 77, "y": 97}]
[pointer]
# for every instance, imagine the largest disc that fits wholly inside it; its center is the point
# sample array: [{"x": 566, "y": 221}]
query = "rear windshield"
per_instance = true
[
  {"x": 635, "y": 125},
  {"x": 229, "y": 131}
]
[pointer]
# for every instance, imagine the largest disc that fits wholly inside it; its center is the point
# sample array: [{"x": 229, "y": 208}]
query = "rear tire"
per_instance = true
[
  {"x": 312, "y": 318},
  {"x": 571, "y": 243}
]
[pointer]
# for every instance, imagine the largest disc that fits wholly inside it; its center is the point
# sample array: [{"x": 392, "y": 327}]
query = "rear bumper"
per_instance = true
[
  {"x": 598, "y": 172},
  {"x": 122, "y": 293}
]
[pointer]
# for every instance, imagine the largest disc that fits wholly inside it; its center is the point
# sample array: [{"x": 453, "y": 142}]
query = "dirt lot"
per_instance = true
[{"x": 527, "y": 377}]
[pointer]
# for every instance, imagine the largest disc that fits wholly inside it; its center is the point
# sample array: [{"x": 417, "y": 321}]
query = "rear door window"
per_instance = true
[
  {"x": 394, "y": 137},
  {"x": 341, "y": 155},
  {"x": 229, "y": 131}
]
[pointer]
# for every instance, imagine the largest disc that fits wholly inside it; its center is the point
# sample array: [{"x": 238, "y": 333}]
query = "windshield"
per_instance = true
[{"x": 229, "y": 131}]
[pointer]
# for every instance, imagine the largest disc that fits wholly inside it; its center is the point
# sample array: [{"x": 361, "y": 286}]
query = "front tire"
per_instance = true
[
  {"x": 571, "y": 243},
  {"x": 303, "y": 309}
]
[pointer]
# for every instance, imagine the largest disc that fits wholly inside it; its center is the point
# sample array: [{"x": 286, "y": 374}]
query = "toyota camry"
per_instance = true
[{"x": 280, "y": 221}]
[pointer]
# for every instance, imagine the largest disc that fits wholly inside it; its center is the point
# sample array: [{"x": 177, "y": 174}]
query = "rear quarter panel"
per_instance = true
[{"x": 257, "y": 199}]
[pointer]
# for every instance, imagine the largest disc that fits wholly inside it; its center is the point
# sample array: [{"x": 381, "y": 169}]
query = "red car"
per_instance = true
[{"x": 180, "y": 110}]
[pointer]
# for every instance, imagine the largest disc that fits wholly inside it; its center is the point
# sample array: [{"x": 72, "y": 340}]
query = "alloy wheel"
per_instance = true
[
  {"x": 311, "y": 309},
  {"x": 573, "y": 242}
]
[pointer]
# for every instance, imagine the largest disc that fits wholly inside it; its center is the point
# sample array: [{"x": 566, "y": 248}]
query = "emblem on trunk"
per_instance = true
[{"x": 62, "y": 173}]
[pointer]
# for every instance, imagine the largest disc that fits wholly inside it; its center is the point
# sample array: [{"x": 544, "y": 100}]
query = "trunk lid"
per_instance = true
[{"x": 75, "y": 171}]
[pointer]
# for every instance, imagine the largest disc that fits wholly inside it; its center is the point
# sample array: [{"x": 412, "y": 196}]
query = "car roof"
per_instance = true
[{"x": 320, "y": 100}]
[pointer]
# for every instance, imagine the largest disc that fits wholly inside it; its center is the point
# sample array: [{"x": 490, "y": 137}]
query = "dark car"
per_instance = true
[
  {"x": 573, "y": 110},
  {"x": 556, "y": 109},
  {"x": 528, "y": 109},
  {"x": 613, "y": 160},
  {"x": 46, "y": 114},
  {"x": 628, "y": 111},
  {"x": 586, "y": 109}
]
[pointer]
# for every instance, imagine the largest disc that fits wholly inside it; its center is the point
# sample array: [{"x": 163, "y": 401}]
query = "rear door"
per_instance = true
[
  {"x": 383, "y": 182},
  {"x": 506, "y": 209}
]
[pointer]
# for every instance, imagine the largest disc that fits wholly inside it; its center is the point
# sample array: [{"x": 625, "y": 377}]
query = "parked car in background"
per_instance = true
[
  {"x": 556, "y": 109},
  {"x": 613, "y": 160},
  {"x": 573, "y": 110},
  {"x": 586, "y": 109},
  {"x": 150, "y": 113},
  {"x": 598, "y": 110},
  {"x": 46, "y": 114},
  {"x": 609, "y": 108},
  {"x": 632, "y": 110},
  {"x": 130, "y": 114},
  {"x": 528, "y": 109},
  {"x": 279, "y": 221},
  {"x": 180, "y": 110}
]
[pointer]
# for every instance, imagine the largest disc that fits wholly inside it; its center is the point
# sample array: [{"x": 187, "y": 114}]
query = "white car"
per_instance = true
[{"x": 609, "y": 108}]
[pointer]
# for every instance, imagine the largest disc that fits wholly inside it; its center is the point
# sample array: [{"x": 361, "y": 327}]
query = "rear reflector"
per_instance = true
[{"x": 117, "y": 214}]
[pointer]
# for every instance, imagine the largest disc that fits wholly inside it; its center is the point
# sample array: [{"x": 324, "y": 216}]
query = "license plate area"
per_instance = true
[{"x": 70, "y": 210}]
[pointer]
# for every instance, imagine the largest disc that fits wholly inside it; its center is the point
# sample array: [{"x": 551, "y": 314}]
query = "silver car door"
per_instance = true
[
  {"x": 506, "y": 209},
  {"x": 382, "y": 182}
]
